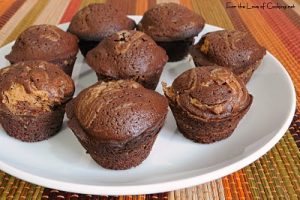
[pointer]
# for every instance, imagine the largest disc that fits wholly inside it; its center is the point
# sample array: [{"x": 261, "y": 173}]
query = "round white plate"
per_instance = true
[{"x": 174, "y": 162}]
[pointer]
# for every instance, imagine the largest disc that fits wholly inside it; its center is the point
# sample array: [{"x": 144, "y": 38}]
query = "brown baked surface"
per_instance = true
[
  {"x": 43, "y": 42},
  {"x": 128, "y": 55},
  {"x": 33, "y": 87},
  {"x": 170, "y": 22},
  {"x": 118, "y": 110},
  {"x": 97, "y": 21},
  {"x": 208, "y": 102},
  {"x": 233, "y": 49},
  {"x": 209, "y": 92}
]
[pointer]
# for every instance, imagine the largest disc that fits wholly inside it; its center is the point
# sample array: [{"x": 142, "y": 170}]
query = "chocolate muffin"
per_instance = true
[
  {"x": 234, "y": 49},
  {"x": 117, "y": 122},
  {"x": 97, "y": 21},
  {"x": 208, "y": 103},
  {"x": 128, "y": 55},
  {"x": 48, "y": 43},
  {"x": 173, "y": 27},
  {"x": 32, "y": 99}
]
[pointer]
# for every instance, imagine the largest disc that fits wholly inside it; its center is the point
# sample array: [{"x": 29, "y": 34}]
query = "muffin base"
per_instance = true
[
  {"x": 32, "y": 128},
  {"x": 113, "y": 154},
  {"x": 176, "y": 50},
  {"x": 246, "y": 75},
  {"x": 86, "y": 45},
  {"x": 149, "y": 82},
  {"x": 66, "y": 65},
  {"x": 208, "y": 131},
  {"x": 125, "y": 157}
]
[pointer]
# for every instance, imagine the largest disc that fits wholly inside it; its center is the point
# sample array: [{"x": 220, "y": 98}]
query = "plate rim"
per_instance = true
[{"x": 166, "y": 185}]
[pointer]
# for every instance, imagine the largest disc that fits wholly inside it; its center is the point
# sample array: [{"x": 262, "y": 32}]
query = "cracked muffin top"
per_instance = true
[
  {"x": 97, "y": 21},
  {"x": 171, "y": 21},
  {"x": 234, "y": 49},
  {"x": 32, "y": 87},
  {"x": 126, "y": 55},
  {"x": 43, "y": 42},
  {"x": 117, "y": 110},
  {"x": 209, "y": 92}
]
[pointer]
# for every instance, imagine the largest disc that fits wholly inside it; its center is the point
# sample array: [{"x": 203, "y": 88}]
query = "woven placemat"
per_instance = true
[{"x": 274, "y": 176}]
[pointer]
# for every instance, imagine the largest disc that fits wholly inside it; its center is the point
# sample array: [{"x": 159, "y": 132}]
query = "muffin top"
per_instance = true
[
  {"x": 210, "y": 92},
  {"x": 118, "y": 110},
  {"x": 127, "y": 54},
  {"x": 234, "y": 49},
  {"x": 43, "y": 42},
  {"x": 97, "y": 21},
  {"x": 171, "y": 21},
  {"x": 33, "y": 87}
]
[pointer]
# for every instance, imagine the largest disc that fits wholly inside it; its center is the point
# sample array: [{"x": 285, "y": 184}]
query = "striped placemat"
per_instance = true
[{"x": 274, "y": 176}]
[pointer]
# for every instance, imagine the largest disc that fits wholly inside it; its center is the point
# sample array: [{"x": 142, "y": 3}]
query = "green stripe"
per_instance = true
[
  {"x": 213, "y": 12},
  {"x": 282, "y": 170},
  {"x": 7, "y": 188}
]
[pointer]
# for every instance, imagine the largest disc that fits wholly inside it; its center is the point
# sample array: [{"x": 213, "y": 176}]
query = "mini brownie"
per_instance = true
[
  {"x": 208, "y": 103},
  {"x": 234, "y": 49},
  {"x": 128, "y": 55},
  {"x": 97, "y": 21},
  {"x": 32, "y": 99},
  {"x": 48, "y": 43},
  {"x": 117, "y": 122},
  {"x": 173, "y": 27}
]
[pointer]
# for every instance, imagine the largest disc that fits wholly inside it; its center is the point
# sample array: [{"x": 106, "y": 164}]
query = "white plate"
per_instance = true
[{"x": 174, "y": 162}]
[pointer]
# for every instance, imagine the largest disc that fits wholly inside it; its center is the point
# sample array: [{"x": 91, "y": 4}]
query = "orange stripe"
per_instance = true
[
  {"x": 226, "y": 186},
  {"x": 245, "y": 185},
  {"x": 187, "y": 3},
  {"x": 5, "y": 4},
  {"x": 233, "y": 187},
  {"x": 141, "y": 7},
  {"x": 70, "y": 11},
  {"x": 239, "y": 185}
]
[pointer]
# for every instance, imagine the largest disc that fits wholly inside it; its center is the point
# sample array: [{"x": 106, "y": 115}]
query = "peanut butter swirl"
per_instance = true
[
  {"x": 127, "y": 54},
  {"x": 31, "y": 87},
  {"x": 118, "y": 110},
  {"x": 210, "y": 92}
]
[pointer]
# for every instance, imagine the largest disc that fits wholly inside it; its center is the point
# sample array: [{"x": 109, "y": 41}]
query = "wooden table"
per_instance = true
[{"x": 275, "y": 175}]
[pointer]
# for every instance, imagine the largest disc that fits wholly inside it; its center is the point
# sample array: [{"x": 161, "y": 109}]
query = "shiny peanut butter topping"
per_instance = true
[
  {"x": 205, "y": 46},
  {"x": 30, "y": 87},
  {"x": 126, "y": 40},
  {"x": 209, "y": 92},
  {"x": 17, "y": 93}
]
